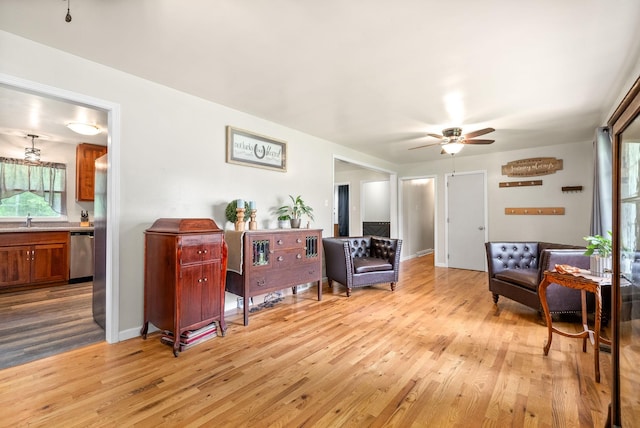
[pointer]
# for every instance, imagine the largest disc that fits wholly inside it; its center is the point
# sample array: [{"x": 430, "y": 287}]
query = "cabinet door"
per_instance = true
[
  {"x": 190, "y": 296},
  {"x": 49, "y": 263},
  {"x": 14, "y": 265},
  {"x": 211, "y": 290},
  {"x": 86, "y": 155}
]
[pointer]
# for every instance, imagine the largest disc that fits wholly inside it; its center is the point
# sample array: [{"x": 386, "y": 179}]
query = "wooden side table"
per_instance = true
[{"x": 585, "y": 282}]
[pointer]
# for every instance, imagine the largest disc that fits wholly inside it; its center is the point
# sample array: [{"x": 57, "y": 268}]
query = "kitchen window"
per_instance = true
[{"x": 35, "y": 189}]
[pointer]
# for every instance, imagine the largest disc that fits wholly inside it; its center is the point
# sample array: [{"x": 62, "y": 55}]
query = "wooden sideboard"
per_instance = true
[
  {"x": 184, "y": 275},
  {"x": 264, "y": 261}
]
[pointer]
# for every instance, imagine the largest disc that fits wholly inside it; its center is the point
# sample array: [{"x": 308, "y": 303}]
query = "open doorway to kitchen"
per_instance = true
[{"x": 74, "y": 297}]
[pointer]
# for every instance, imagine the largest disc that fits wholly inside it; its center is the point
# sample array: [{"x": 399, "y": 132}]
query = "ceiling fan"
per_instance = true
[{"x": 452, "y": 140}]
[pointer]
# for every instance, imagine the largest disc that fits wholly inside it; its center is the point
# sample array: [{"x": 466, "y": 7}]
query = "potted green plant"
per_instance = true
[
  {"x": 599, "y": 250},
  {"x": 283, "y": 221},
  {"x": 295, "y": 211}
]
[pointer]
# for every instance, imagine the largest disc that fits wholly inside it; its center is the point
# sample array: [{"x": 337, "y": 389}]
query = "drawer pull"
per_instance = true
[
  {"x": 298, "y": 240},
  {"x": 279, "y": 241},
  {"x": 298, "y": 256},
  {"x": 260, "y": 283},
  {"x": 280, "y": 258},
  {"x": 205, "y": 279},
  {"x": 204, "y": 252}
]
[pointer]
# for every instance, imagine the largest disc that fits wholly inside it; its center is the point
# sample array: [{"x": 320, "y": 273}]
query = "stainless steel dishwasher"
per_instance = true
[{"x": 81, "y": 262}]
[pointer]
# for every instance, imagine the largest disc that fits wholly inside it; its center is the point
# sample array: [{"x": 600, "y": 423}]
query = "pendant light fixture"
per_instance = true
[
  {"x": 68, "y": 17},
  {"x": 32, "y": 154}
]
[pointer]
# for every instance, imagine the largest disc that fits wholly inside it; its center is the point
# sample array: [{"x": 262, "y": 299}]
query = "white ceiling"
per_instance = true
[{"x": 374, "y": 75}]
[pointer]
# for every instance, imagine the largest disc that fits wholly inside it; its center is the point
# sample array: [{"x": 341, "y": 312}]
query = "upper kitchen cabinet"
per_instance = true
[{"x": 86, "y": 155}]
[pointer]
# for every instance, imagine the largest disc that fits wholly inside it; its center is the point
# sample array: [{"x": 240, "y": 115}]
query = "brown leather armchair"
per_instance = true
[
  {"x": 362, "y": 261},
  {"x": 515, "y": 270}
]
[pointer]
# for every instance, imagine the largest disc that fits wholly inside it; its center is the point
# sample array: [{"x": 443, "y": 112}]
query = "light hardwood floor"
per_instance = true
[{"x": 435, "y": 353}]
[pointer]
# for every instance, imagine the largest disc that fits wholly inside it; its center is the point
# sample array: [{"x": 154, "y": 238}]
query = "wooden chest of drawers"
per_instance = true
[{"x": 272, "y": 260}]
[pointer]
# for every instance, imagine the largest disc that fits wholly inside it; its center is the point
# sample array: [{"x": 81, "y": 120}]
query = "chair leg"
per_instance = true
[
  {"x": 348, "y": 292},
  {"x": 393, "y": 286},
  {"x": 495, "y": 298}
]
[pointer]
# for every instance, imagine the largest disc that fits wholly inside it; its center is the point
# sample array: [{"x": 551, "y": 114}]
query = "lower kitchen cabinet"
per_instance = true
[{"x": 34, "y": 258}]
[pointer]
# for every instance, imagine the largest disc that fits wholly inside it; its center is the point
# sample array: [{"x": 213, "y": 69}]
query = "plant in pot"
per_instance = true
[
  {"x": 599, "y": 250},
  {"x": 295, "y": 211},
  {"x": 283, "y": 221}
]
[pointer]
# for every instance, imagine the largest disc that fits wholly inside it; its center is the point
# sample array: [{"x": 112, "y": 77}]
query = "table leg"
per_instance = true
[
  {"x": 542, "y": 291},
  {"x": 596, "y": 333}
]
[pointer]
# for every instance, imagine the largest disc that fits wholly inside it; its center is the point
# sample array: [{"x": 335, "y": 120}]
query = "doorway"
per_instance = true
[
  {"x": 465, "y": 224},
  {"x": 113, "y": 114},
  {"x": 341, "y": 210},
  {"x": 356, "y": 174},
  {"x": 417, "y": 215}
]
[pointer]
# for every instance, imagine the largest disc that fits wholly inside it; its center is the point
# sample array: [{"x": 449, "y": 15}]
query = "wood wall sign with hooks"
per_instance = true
[
  {"x": 520, "y": 183},
  {"x": 535, "y": 211},
  {"x": 532, "y": 167},
  {"x": 572, "y": 188}
]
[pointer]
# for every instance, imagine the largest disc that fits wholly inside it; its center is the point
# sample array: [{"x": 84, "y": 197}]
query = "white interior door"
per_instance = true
[{"x": 466, "y": 225}]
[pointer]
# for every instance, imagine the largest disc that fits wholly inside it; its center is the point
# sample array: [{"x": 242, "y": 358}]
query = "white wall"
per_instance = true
[
  {"x": 375, "y": 201},
  {"x": 172, "y": 156},
  {"x": 569, "y": 228}
]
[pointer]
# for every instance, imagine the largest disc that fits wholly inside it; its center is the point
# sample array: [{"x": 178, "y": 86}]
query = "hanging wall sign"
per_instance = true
[
  {"x": 250, "y": 149},
  {"x": 532, "y": 167}
]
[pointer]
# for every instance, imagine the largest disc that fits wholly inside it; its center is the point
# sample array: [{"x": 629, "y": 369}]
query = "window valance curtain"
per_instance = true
[{"x": 45, "y": 179}]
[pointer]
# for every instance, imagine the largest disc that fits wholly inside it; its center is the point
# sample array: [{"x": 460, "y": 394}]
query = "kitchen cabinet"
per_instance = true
[
  {"x": 29, "y": 258},
  {"x": 184, "y": 276},
  {"x": 272, "y": 260},
  {"x": 86, "y": 155}
]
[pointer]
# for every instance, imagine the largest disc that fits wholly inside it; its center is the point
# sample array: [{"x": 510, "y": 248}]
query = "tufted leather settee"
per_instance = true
[
  {"x": 515, "y": 270},
  {"x": 362, "y": 261}
]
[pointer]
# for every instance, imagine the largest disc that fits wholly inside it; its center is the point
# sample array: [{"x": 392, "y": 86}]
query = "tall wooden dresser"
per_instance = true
[
  {"x": 184, "y": 276},
  {"x": 264, "y": 261}
]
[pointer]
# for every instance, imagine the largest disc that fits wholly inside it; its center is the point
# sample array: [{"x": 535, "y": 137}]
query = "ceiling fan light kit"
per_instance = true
[
  {"x": 83, "y": 128},
  {"x": 452, "y": 148},
  {"x": 452, "y": 141}
]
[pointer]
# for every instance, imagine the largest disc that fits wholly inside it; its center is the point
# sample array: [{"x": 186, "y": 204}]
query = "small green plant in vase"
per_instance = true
[
  {"x": 295, "y": 211},
  {"x": 599, "y": 248}
]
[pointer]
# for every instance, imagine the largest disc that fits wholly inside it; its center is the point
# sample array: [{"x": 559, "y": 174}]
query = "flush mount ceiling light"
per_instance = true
[
  {"x": 83, "y": 128},
  {"x": 32, "y": 154}
]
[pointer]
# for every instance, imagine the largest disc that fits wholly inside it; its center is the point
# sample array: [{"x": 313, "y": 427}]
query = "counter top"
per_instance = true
[{"x": 44, "y": 227}]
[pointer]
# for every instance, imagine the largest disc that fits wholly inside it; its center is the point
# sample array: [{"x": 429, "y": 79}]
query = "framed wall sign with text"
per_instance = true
[{"x": 249, "y": 149}]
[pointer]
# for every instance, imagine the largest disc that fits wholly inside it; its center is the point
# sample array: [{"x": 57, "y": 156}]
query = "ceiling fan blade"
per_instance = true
[
  {"x": 478, "y": 141},
  {"x": 439, "y": 137},
  {"x": 425, "y": 145},
  {"x": 479, "y": 132}
]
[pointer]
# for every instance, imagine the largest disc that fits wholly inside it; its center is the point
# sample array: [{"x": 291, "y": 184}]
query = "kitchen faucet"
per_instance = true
[{"x": 28, "y": 223}]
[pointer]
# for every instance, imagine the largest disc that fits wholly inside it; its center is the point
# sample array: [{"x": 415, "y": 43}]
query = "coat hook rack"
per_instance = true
[
  {"x": 572, "y": 188},
  {"x": 535, "y": 211},
  {"x": 520, "y": 183}
]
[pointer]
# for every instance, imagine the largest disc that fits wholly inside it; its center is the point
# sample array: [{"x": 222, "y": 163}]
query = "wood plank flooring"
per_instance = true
[
  {"x": 435, "y": 353},
  {"x": 46, "y": 321}
]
